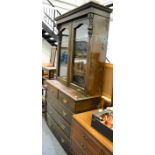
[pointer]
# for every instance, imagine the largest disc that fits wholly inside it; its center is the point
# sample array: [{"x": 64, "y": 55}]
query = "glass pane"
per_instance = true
[
  {"x": 80, "y": 54},
  {"x": 64, "y": 54}
]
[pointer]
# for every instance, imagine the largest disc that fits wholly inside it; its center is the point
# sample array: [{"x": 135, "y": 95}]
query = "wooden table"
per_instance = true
[
  {"x": 82, "y": 122},
  {"x": 50, "y": 70}
]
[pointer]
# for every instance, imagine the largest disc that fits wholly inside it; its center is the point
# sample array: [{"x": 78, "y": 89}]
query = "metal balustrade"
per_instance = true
[{"x": 49, "y": 29}]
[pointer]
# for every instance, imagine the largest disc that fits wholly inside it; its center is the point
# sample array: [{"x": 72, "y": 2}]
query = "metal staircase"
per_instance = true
[{"x": 49, "y": 30}]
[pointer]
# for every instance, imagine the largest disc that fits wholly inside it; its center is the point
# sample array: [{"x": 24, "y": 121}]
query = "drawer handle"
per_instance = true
[
  {"x": 82, "y": 145},
  {"x": 84, "y": 136},
  {"x": 62, "y": 126},
  {"x": 64, "y": 113},
  {"x": 64, "y": 101},
  {"x": 62, "y": 140}
]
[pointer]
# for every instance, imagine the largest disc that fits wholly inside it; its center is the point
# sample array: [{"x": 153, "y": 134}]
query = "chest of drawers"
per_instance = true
[
  {"x": 85, "y": 140},
  {"x": 62, "y": 103}
]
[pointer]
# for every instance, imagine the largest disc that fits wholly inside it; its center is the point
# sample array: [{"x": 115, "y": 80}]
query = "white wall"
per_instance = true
[{"x": 46, "y": 51}]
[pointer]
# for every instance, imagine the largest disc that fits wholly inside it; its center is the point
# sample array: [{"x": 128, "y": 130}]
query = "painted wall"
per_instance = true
[{"x": 46, "y": 51}]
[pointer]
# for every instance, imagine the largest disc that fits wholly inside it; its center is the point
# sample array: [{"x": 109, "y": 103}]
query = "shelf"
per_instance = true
[
  {"x": 44, "y": 77},
  {"x": 80, "y": 57},
  {"x": 48, "y": 68},
  {"x": 78, "y": 73}
]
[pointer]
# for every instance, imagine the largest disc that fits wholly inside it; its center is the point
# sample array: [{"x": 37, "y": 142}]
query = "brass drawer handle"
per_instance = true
[
  {"x": 64, "y": 113},
  {"x": 64, "y": 100},
  {"x": 84, "y": 136},
  {"x": 62, "y": 126},
  {"x": 82, "y": 145},
  {"x": 62, "y": 140}
]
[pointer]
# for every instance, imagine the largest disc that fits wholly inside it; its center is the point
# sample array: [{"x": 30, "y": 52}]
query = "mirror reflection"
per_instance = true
[
  {"x": 80, "y": 54},
  {"x": 64, "y": 53}
]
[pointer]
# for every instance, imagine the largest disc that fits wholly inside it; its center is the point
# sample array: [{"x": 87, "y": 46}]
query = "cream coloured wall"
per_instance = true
[{"x": 46, "y": 51}]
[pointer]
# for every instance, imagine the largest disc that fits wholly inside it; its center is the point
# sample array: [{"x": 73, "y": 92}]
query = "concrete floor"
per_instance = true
[{"x": 50, "y": 145}]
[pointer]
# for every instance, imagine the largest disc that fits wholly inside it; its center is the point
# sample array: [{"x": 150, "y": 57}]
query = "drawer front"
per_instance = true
[
  {"x": 75, "y": 148},
  {"x": 67, "y": 101},
  {"x": 106, "y": 152},
  {"x": 62, "y": 138},
  {"x": 59, "y": 120},
  {"x": 52, "y": 91},
  {"x": 86, "y": 142},
  {"x": 78, "y": 134},
  {"x": 52, "y": 100},
  {"x": 64, "y": 141},
  {"x": 50, "y": 122},
  {"x": 86, "y": 105},
  {"x": 62, "y": 110}
]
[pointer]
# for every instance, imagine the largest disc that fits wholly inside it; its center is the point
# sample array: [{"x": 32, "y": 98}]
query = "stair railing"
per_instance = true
[{"x": 49, "y": 14}]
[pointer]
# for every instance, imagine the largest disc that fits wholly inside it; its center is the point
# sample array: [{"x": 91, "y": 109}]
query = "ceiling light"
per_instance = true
[
  {"x": 51, "y": 38},
  {"x": 46, "y": 33}
]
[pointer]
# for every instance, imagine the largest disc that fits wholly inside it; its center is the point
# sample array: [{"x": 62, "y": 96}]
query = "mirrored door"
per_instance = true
[
  {"x": 80, "y": 52},
  {"x": 64, "y": 52}
]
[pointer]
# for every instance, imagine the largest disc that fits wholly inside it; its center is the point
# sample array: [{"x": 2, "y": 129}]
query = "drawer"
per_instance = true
[
  {"x": 52, "y": 91},
  {"x": 50, "y": 122},
  {"x": 75, "y": 148},
  {"x": 86, "y": 105},
  {"x": 62, "y": 138},
  {"x": 93, "y": 147},
  {"x": 63, "y": 111},
  {"x": 59, "y": 120},
  {"x": 79, "y": 135},
  {"x": 64, "y": 141},
  {"x": 67, "y": 101},
  {"x": 52, "y": 100},
  {"x": 85, "y": 140},
  {"x": 106, "y": 152}
]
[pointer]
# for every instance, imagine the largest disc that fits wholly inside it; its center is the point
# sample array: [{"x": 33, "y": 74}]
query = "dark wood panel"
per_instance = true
[
  {"x": 93, "y": 139},
  {"x": 75, "y": 148},
  {"x": 66, "y": 90},
  {"x": 84, "y": 140},
  {"x": 60, "y": 121},
  {"x": 50, "y": 123},
  {"x": 78, "y": 134},
  {"x": 84, "y": 10},
  {"x": 52, "y": 91},
  {"x": 70, "y": 92},
  {"x": 51, "y": 100},
  {"x": 64, "y": 141},
  {"x": 62, "y": 110},
  {"x": 67, "y": 101},
  {"x": 106, "y": 152},
  {"x": 62, "y": 138},
  {"x": 86, "y": 105}
]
